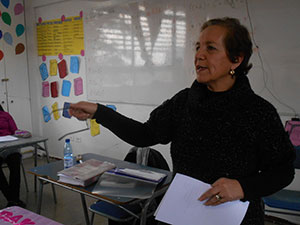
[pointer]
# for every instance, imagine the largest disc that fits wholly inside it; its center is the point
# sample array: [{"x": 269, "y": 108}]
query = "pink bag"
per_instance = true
[
  {"x": 23, "y": 133},
  {"x": 293, "y": 129}
]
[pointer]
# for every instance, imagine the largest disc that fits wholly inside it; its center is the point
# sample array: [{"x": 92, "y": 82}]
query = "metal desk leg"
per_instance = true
[
  {"x": 86, "y": 216},
  {"x": 47, "y": 157},
  {"x": 143, "y": 218},
  {"x": 40, "y": 196},
  {"x": 54, "y": 194},
  {"x": 35, "y": 164},
  {"x": 46, "y": 150}
]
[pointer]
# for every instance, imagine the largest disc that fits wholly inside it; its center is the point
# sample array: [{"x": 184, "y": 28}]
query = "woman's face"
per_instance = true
[{"x": 211, "y": 61}]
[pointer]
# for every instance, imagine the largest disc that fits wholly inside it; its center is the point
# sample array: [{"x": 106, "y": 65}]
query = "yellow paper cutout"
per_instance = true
[
  {"x": 95, "y": 128},
  {"x": 53, "y": 67},
  {"x": 55, "y": 111}
]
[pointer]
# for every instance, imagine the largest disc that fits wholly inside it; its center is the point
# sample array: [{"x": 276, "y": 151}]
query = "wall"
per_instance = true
[
  {"x": 105, "y": 143},
  {"x": 274, "y": 74},
  {"x": 14, "y": 92}
]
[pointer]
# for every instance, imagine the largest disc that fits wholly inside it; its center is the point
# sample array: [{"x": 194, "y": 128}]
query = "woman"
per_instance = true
[
  {"x": 220, "y": 131},
  {"x": 12, "y": 158}
]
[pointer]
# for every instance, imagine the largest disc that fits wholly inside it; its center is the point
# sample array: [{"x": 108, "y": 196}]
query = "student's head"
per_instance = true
[
  {"x": 1, "y": 109},
  {"x": 223, "y": 51}
]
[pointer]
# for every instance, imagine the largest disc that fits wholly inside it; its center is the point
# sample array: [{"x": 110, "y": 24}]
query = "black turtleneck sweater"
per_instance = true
[{"x": 234, "y": 134}]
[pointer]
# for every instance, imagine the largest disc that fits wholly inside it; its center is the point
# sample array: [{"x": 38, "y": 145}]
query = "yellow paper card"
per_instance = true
[
  {"x": 95, "y": 128},
  {"x": 53, "y": 67},
  {"x": 55, "y": 111}
]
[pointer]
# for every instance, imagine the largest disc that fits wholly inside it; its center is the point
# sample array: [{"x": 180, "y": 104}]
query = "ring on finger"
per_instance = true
[{"x": 218, "y": 197}]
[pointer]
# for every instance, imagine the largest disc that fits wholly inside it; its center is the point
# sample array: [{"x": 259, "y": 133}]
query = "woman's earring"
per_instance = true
[{"x": 231, "y": 72}]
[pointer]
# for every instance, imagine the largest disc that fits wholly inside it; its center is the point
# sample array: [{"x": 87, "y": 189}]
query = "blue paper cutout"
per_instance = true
[
  {"x": 66, "y": 110},
  {"x": 44, "y": 71},
  {"x": 74, "y": 64},
  {"x": 5, "y": 3},
  {"x": 113, "y": 107},
  {"x": 46, "y": 114},
  {"x": 8, "y": 38},
  {"x": 0, "y": 34},
  {"x": 66, "y": 88},
  {"x": 19, "y": 30}
]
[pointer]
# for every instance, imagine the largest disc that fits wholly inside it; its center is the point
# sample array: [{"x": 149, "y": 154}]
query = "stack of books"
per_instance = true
[{"x": 84, "y": 174}]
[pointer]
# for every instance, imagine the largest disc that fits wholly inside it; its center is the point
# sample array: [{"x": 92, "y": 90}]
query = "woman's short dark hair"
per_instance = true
[
  {"x": 1, "y": 109},
  {"x": 237, "y": 41}
]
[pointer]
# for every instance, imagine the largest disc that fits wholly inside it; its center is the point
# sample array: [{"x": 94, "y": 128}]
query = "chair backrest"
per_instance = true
[
  {"x": 148, "y": 157},
  {"x": 297, "y": 160},
  {"x": 292, "y": 127}
]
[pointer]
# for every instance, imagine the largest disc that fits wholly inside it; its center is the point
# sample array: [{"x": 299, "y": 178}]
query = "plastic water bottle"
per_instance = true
[{"x": 68, "y": 154}]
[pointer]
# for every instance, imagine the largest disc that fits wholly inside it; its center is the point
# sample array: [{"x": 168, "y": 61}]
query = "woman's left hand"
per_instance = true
[{"x": 223, "y": 190}]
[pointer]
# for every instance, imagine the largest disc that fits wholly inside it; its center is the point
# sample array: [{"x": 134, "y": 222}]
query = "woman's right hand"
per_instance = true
[{"x": 83, "y": 110}]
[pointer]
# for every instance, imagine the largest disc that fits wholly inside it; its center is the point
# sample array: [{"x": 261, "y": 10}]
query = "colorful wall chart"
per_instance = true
[{"x": 63, "y": 35}]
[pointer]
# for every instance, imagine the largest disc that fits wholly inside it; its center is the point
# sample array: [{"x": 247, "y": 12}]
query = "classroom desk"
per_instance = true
[
  {"x": 33, "y": 141},
  {"x": 48, "y": 174}
]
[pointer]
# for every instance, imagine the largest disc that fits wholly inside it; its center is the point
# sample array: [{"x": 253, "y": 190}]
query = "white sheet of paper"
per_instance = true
[
  {"x": 8, "y": 138},
  {"x": 180, "y": 205}
]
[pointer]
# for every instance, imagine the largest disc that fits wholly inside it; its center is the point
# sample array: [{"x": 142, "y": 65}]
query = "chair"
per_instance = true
[
  {"x": 4, "y": 165},
  {"x": 131, "y": 212},
  {"x": 286, "y": 200}
]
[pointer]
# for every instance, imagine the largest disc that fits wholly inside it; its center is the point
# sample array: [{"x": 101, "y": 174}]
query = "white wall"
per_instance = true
[{"x": 106, "y": 143}]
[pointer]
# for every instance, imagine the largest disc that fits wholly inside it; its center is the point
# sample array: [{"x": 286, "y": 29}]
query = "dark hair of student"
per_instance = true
[
  {"x": 1, "y": 109},
  {"x": 237, "y": 41}
]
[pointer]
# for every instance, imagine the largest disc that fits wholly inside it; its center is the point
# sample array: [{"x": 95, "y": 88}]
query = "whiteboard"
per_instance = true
[{"x": 142, "y": 52}]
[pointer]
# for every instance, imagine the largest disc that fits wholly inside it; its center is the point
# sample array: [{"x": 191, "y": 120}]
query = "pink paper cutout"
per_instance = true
[
  {"x": 82, "y": 52},
  {"x": 78, "y": 86},
  {"x": 63, "y": 18},
  {"x": 81, "y": 14},
  {"x": 40, "y": 20},
  {"x": 46, "y": 89},
  {"x": 18, "y": 9},
  {"x": 44, "y": 58},
  {"x": 60, "y": 56}
]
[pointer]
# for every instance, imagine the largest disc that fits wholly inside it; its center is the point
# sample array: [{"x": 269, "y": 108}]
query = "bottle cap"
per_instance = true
[{"x": 67, "y": 140}]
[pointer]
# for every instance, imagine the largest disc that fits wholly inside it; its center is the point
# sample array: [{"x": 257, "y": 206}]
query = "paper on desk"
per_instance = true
[
  {"x": 8, "y": 138},
  {"x": 180, "y": 205}
]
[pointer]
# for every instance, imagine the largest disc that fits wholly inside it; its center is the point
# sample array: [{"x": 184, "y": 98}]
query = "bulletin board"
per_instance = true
[{"x": 142, "y": 52}]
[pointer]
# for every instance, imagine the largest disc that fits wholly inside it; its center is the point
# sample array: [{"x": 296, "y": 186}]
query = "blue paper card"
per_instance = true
[
  {"x": 46, "y": 114},
  {"x": 66, "y": 88},
  {"x": 44, "y": 71},
  {"x": 74, "y": 64},
  {"x": 113, "y": 107},
  {"x": 66, "y": 110}
]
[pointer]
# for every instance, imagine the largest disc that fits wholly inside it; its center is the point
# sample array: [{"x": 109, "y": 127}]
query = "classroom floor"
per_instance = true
[{"x": 68, "y": 209}]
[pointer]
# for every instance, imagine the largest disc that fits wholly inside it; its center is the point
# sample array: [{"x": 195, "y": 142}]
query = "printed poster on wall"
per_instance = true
[{"x": 60, "y": 36}]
